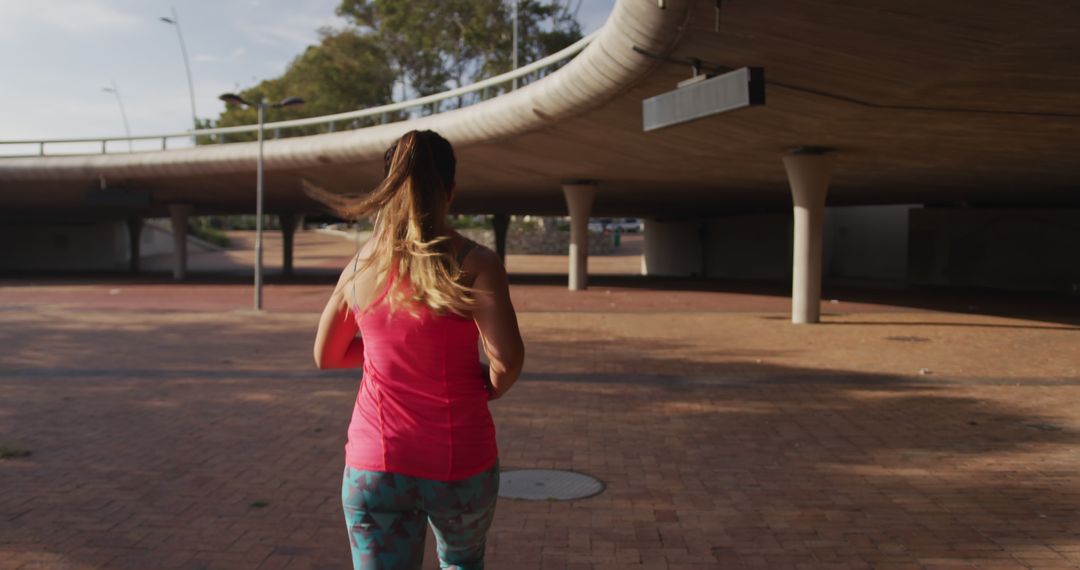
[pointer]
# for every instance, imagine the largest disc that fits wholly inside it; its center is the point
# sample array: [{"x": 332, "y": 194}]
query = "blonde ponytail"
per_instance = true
[{"x": 410, "y": 235}]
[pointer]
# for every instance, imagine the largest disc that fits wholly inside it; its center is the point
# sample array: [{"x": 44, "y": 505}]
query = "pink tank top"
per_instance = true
[{"x": 422, "y": 408}]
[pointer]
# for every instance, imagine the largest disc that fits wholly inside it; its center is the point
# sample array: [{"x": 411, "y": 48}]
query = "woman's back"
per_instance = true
[
  {"x": 421, "y": 444},
  {"x": 422, "y": 407}
]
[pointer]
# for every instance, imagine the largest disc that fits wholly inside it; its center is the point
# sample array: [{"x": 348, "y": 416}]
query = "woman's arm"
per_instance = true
[
  {"x": 495, "y": 317},
  {"x": 336, "y": 343}
]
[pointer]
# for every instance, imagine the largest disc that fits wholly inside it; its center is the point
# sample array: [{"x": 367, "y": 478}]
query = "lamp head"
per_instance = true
[
  {"x": 234, "y": 99},
  {"x": 289, "y": 102}
]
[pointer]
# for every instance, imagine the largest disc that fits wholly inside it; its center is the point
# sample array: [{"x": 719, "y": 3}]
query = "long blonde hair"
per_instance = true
[{"x": 410, "y": 235}]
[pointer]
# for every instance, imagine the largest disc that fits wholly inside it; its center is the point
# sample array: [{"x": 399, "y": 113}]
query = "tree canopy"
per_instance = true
[
  {"x": 399, "y": 49},
  {"x": 451, "y": 43}
]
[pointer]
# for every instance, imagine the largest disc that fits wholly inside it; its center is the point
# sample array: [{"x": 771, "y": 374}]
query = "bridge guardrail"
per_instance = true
[{"x": 383, "y": 112}]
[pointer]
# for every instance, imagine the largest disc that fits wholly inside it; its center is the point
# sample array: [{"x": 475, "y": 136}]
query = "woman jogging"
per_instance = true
[{"x": 421, "y": 443}]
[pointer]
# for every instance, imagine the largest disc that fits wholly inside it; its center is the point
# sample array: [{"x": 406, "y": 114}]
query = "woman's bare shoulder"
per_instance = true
[
  {"x": 481, "y": 260},
  {"x": 356, "y": 262}
]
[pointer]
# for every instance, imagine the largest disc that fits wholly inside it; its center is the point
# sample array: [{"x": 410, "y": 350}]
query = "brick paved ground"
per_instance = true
[{"x": 159, "y": 416}]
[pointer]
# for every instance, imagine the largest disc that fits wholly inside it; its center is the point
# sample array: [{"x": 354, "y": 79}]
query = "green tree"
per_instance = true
[
  {"x": 544, "y": 27},
  {"x": 347, "y": 70},
  {"x": 422, "y": 47},
  {"x": 434, "y": 46}
]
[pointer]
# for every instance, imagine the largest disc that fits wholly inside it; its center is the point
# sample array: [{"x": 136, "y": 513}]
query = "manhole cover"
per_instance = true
[{"x": 547, "y": 484}]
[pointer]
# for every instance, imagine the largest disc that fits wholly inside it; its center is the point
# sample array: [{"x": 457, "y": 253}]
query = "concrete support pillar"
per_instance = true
[
  {"x": 500, "y": 223},
  {"x": 134, "y": 227},
  {"x": 179, "y": 214},
  {"x": 579, "y": 200},
  {"x": 808, "y": 173},
  {"x": 288, "y": 230}
]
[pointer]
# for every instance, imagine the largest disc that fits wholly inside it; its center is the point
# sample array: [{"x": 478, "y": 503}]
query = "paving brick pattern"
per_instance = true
[{"x": 170, "y": 429}]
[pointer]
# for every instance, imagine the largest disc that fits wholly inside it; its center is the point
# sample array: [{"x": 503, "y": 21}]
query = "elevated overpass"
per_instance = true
[{"x": 967, "y": 107}]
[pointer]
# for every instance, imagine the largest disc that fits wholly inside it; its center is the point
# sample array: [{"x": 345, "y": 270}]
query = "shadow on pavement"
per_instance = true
[{"x": 154, "y": 441}]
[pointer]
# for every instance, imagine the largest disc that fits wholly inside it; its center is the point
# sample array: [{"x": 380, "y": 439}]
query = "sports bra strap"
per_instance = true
[{"x": 465, "y": 249}]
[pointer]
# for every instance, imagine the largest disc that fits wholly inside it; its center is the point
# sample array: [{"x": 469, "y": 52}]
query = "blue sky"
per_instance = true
[{"x": 57, "y": 55}]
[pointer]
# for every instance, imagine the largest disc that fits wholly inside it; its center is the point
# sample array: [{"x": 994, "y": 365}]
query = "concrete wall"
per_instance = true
[
  {"x": 755, "y": 246},
  {"x": 157, "y": 239},
  {"x": 862, "y": 243},
  {"x": 867, "y": 243},
  {"x": 1026, "y": 249},
  {"x": 752, "y": 246},
  {"x": 673, "y": 248},
  {"x": 96, "y": 246},
  {"x": 1032, "y": 249},
  {"x": 101, "y": 246}
]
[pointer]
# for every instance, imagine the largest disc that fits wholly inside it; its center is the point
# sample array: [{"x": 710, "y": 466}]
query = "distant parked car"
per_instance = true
[
  {"x": 625, "y": 225},
  {"x": 601, "y": 224}
]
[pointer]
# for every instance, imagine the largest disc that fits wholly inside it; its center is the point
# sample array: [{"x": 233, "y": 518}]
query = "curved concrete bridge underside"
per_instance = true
[{"x": 924, "y": 102}]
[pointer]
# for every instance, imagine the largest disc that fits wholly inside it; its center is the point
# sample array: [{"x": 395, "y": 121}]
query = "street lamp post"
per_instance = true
[
  {"x": 261, "y": 109},
  {"x": 123, "y": 115},
  {"x": 175, "y": 21},
  {"x": 514, "y": 55}
]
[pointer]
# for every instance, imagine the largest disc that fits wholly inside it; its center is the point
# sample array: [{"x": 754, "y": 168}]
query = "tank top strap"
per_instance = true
[
  {"x": 352, "y": 281},
  {"x": 391, "y": 276}
]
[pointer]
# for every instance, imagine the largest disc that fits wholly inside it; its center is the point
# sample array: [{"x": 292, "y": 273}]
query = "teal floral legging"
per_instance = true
[{"x": 387, "y": 516}]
